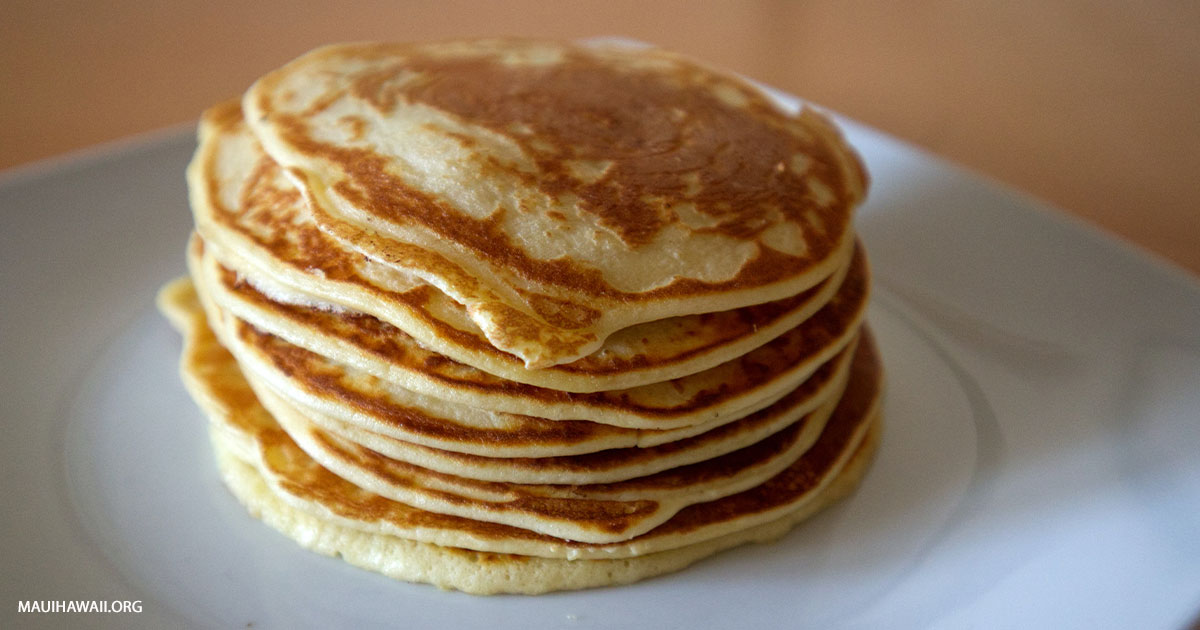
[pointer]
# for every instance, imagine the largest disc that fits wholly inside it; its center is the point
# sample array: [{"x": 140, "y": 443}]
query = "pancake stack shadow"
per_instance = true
[{"x": 516, "y": 316}]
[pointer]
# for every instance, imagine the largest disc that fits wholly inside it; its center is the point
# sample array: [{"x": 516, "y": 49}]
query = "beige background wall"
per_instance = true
[{"x": 1090, "y": 105}]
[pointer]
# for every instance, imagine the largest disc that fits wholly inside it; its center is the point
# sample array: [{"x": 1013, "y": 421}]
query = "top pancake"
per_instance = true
[
  {"x": 561, "y": 192},
  {"x": 262, "y": 232}
]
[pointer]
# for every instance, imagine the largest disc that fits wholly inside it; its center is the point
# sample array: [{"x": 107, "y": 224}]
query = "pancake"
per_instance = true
[
  {"x": 521, "y": 316},
  {"x": 498, "y": 573},
  {"x": 336, "y": 395},
  {"x": 260, "y": 230},
  {"x": 656, "y": 450},
  {"x": 601, "y": 466},
  {"x": 722, "y": 393},
  {"x": 253, "y": 436},
  {"x": 527, "y": 449},
  {"x": 561, "y": 192},
  {"x": 596, "y": 513}
]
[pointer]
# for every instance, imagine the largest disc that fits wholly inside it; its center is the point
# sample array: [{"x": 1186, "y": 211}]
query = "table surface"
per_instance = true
[{"x": 1088, "y": 105}]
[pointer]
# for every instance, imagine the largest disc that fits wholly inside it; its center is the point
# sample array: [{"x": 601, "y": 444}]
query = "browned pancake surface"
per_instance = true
[
  {"x": 597, "y": 175},
  {"x": 653, "y": 406},
  {"x": 212, "y": 377},
  {"x": 270, "y": 218}
]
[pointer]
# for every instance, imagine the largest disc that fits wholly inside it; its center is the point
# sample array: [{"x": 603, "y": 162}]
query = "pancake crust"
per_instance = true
[
  {"x": 636, "y": 453},
  {"x": 654, "y": 452},
  {"x": 596, "y": 513},
  {"x": 598, "y": 466},
  {"x": 254, "y": 437},
  {"x": 262, "y": 235},
  {"x": 561, "y": 192},
  {"x": 483, "y": 573},
  {"x": 561, "y": 446},
  {"x": 724, "y": 392}
]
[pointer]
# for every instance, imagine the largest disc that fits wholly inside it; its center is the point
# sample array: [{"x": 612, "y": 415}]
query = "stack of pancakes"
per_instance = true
[{"x": 519, "y": 316}]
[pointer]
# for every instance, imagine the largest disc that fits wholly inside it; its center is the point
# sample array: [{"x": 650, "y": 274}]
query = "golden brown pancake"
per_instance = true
[
  {"x": 253, "y": 435},
  {"x": 724, "y": 392},
  {"x": 261, "y": 232},
  {"x": 334, "y": 395},
  {"x": 482, "y": 573},
  {"x": 486, "y": 461},
  {"x": 655, "y": 450},
  {"x": 596, "y": 513},
  {"x": 520, "y": 316},
  {"x": 561, "y": 192}
]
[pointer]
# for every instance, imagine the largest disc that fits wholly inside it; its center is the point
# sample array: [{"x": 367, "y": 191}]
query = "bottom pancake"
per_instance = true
[{"x": 483, "y": 573}]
